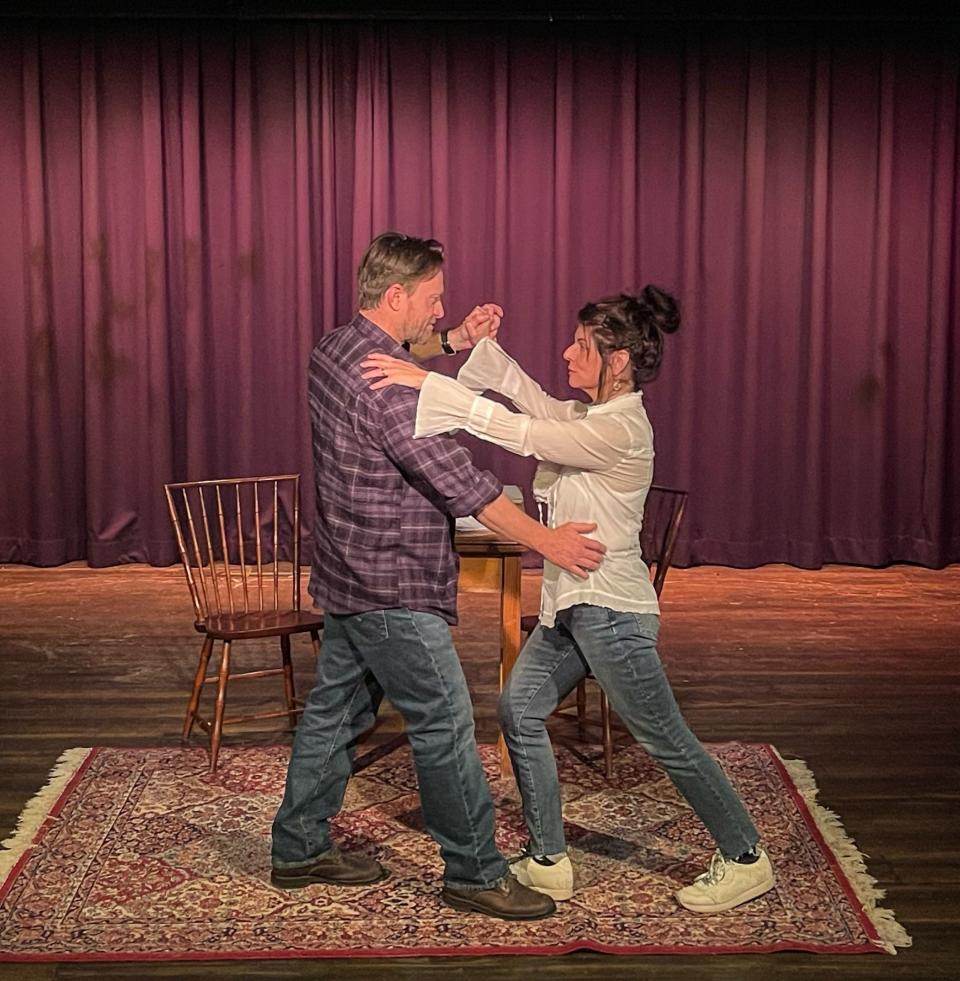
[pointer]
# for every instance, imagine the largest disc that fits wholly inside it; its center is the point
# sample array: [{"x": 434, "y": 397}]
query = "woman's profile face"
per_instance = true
[{"x": 583, "y": 362}]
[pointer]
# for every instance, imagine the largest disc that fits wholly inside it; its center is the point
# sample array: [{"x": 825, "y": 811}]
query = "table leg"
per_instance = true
[{"x": 509, "y": 635}]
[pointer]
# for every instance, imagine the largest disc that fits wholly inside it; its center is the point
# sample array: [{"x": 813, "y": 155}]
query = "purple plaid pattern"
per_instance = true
[{"x": 383, "y": 535}]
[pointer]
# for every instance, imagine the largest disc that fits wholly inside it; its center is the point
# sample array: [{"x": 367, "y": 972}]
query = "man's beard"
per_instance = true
[{"x": 423, "y": 332}]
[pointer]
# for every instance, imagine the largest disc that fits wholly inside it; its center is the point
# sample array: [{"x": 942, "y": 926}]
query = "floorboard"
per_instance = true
[{"x": 854, "y": 670}]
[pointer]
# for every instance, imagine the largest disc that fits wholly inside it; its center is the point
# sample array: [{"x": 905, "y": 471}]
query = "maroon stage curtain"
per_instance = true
[{"x": 183, "y": 206}]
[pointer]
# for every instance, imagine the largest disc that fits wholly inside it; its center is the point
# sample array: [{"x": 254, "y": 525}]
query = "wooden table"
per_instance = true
[{"x": 486, "y": 545}]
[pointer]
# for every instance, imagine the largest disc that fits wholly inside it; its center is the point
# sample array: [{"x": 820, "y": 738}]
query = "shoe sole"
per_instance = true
[
  {"x": 560, "y": 895},
  {"x": 757, "y": 890},
  {"x": 466, "y": 906},
  {"x": 300, "y": 881}
]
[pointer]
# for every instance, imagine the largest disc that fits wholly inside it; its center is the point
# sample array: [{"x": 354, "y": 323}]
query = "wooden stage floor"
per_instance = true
[{"x": 854, "y": 670}]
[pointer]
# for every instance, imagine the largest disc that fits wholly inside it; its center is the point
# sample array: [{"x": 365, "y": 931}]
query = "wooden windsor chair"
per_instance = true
[
  {"x": 239, "y": 583},
  {"x": 662, "y": 517}
]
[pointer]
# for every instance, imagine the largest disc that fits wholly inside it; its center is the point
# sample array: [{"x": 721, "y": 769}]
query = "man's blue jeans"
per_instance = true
[
  {"x": 410, "y": 657},
  {"x": 620, "y": 649}
]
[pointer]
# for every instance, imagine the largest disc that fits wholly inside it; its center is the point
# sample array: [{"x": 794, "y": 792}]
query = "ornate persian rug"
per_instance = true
[{"x": 140, "y": 854}]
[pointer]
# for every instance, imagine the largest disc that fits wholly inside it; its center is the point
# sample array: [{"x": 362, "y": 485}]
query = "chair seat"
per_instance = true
[{"x": 270, "y": 623}]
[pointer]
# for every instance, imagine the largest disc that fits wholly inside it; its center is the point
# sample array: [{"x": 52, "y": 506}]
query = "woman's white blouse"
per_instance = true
[{"x": 597, "y": 465}]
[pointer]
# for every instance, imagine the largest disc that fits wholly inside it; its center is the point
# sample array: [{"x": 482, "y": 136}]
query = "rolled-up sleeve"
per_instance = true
[
  {"x": 490, "y": 368},
  {"x": 590, "y": 443},
  {"x": 438, "y": 462}
]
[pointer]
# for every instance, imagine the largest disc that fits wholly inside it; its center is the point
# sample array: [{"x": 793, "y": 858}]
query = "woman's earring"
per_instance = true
[{"x": 617, "y": 385}]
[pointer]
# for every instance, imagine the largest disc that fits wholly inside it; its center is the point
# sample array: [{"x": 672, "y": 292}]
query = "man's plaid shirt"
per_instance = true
[{"x": 383, "y": 535}]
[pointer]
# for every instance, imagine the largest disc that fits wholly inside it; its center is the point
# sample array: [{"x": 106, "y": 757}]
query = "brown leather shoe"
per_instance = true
[
  {"x": 507, "y": 900},
  {"x": 334, "y": 868}
]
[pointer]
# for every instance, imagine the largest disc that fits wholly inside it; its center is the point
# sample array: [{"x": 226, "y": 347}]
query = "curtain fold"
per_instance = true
[{"x": 185, "y": 206}]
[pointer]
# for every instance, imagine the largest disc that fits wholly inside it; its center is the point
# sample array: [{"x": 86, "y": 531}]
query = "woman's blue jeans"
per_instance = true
[
  {"x": 410, "y": 657},
  {"x": 620, "y": 649}
]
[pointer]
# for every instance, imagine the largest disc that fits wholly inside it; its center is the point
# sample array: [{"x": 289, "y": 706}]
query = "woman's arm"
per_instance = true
[
  {"x": 489, "y": 367},
  {"x": 596, "y": 442},
  {"x": 588, "y": 443}
]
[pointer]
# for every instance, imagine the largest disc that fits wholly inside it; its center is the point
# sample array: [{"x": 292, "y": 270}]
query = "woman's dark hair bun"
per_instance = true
[
  {"x": 660, "y": 308},
  {"x": 636, "y": 324}
]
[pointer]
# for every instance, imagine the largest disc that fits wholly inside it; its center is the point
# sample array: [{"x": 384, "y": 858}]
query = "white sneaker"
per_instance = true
[
  {"x": 727, "y": 884},
  {"x": 554, "y": 880}
]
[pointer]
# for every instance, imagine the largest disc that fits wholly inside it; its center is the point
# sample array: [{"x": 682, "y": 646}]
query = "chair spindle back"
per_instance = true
[{"x": 233, "y": 568}]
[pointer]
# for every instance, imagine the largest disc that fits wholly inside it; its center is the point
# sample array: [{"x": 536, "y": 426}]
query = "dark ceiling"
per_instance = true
[{"x": 554, "y": 10}]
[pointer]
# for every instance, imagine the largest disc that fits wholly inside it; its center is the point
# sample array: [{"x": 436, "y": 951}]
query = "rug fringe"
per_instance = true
[
  {"x": 892, "y": 934},
  {"x": 38, "y": 808}
]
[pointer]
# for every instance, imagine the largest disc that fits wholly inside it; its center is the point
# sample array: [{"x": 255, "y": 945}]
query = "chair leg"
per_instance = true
[
  {"x": 194, "y": 702},
  {"x": 217, "y": 729},
  {"x": 607, "y": 734},
  {"x": 315, "y": 637},
  {"x": 581, "y": 710},
  {"x": 288, "y": 686}
]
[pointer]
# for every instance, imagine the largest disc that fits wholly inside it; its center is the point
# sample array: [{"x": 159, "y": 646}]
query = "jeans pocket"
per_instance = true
[
  {"x": 647, "y": 625},
  {"x": 369, "y": 628}
]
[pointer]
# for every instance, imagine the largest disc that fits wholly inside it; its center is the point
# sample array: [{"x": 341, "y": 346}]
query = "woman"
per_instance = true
[{"x": 597, "y": 465}]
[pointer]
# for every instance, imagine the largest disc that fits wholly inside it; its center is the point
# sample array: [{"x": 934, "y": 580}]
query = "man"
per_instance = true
[{"x": 385, "y": 573}]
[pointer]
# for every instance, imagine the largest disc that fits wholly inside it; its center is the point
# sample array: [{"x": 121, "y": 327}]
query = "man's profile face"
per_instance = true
[{"x": 423, "y": 308}]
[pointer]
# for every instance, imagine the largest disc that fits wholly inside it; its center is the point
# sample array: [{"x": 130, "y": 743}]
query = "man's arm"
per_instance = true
[
  {"x": 430, "y": 348},
  {"x": 566, "y": 546},
  {"x": 482, "y": 321},
  {"x": 444, "y": 465}
]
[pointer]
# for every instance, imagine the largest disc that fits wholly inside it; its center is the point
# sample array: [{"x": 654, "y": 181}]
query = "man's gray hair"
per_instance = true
[{"x": 394, "y": 258}]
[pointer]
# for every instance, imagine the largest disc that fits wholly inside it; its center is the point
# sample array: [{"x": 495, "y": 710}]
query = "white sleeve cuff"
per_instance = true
[{"x": 488, "y": 367}]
